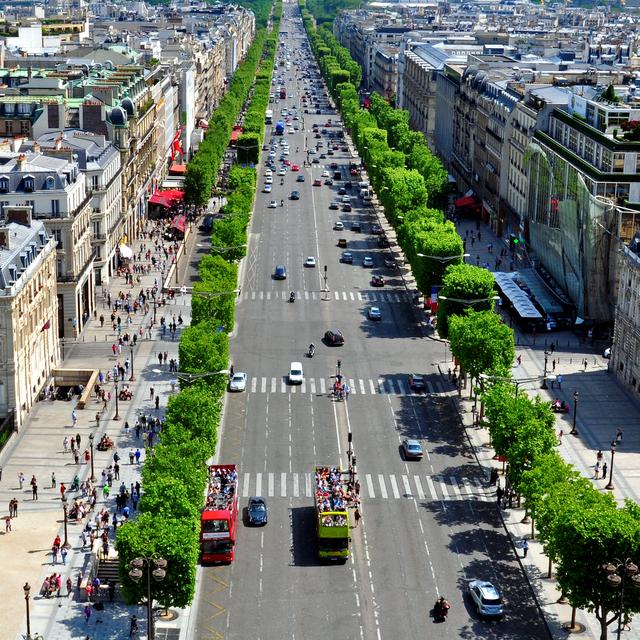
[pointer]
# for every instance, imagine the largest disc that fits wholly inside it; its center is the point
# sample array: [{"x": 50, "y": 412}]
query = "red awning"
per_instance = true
[
  {"x": 177, "y": 169},
  {"x": 467, "y": 201},
  {"x": 166, "y": 198},
  {"x": 179, "y": 223}
]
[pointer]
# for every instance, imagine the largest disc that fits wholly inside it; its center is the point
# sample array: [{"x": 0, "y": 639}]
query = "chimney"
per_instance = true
[
  {"x": 22, "y": 158},
  {"x": 36, "y": 147}
]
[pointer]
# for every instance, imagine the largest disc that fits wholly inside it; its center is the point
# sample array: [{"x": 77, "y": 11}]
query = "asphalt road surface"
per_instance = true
[{"x": 428, "y": 527}]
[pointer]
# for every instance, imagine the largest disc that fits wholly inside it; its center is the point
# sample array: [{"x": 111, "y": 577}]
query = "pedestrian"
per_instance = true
[
  {"x": 157, "y": 403},
  {"x": 585, "y": 363},
  {"x": 525, "y": 548},
  {"x": 137, "y": 455},
  {"x": 552, "y": 347},
  {"x": 65, "y": 444},
  {"x": 347, "y": 391},
  {"x": 559, "y": 381},
  {"x": 20, "y": 479},
  {"x": 519, "y": 360},
  {"x": 133, "y": 626},
  {"x": 74, "y": 418},
  {"x": 357, "y": 516},
  {"x": 499, "y": 494},
  {"x": 131, "y": 457},
  {"x": 54, "y": 554},
  {"x": 97, "y": 419},
  {"x": 63, "y": 555},
  {"x": 604, "y": 471},
  {"x": 73, "y": 445},
  {"x": 553, "y": 365},
  {"x": 7, "y": 524},
  {"x": 76, "y": 456},
  {"x": 78, "y": 440},
  {"x": 150, "y": 393},
  {"x": 116, "y": 471},
  {"x": 560, "y": 434},
  {"x": 619, "y": 436},
  {"x": 34, "y": 490},
  {"x": 597, "y": 472},
  {"x": 87, "y": 456},
  {"x": 69, "y": 586},
  {"x": 87, "y": 613}
]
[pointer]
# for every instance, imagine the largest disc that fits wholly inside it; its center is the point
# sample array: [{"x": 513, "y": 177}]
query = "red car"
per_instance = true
[
  {"x": 317, "y": 182},
  {"x": 377, "y": 281},
  {"x": 295, "y": 167}
]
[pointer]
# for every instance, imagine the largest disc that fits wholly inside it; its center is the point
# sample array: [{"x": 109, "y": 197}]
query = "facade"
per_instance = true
[
  {"x": 54, "y": 190},
  {"x": 625, "y": 351},
  {"x": 28, "y": 311}
]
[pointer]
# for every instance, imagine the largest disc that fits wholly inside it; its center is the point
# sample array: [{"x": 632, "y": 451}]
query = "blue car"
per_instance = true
[{"x": 257, "y": 511}]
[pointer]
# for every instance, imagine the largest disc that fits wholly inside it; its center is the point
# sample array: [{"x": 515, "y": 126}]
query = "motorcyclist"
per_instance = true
[
  {"x": 312, "y": 349},
  {"x": 441, "y": 608},
  {"x": 292, "y": 296},
  {"x": 282, "y": 203}
]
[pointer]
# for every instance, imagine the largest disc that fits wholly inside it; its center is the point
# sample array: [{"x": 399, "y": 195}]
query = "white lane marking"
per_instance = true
[
  {"x": 303, "y": 387},
  {"x": 336, "y": 295},
  {"x": 273, "y": 385},
  {"x": 443, "y": 487},
  {"x": 312, "y": 384},
  {"x": 258, "y": 484},
  {"x": 482, "y": 494},
  {"x": 296, "y": 486},
  {"x": 372, "y": 386},
  {"x": 381, "y": 385},
  {"x": 254, "y": 384},
  {"x": 283, "y": 386},
  {"x": 383, "y": 489},
  {"x": 306, "y": 295},
  {"x": 307, "y": 485},
  {"x": 271, "y": 484},
  {"x": 344, "y": 295},
  {"x": 416, "y": 479},
  {"x": 454, "y": 486},
  {"x": 394, "y": 486},
  {"x": 245, "y": 485},
  {"x": 283, "y": 485},
  {"x": 263, "y": 386},
  {"x": 432, "y": 489},
  {"x": 351, "y": 296},
  {"x": 313, "y": 295},
  {"x": 293, "y": 389},
  {"x": 253, "y": 295},
  {"x": 359, "y": 295},
  {"x": 352, "y": 384},
  {"x": 372, "y": 493},
  {"x": 323, "y": 386},
  {"x": 361, "y": 382},
  {"x": 262, "y": 295},
  {"x": 403, "y": 389},
  {"x": 268, "y": 295},
  {"x": 407, "y": 487}
]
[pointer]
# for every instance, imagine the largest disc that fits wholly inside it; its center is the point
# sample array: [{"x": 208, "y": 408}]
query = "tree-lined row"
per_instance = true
[{"x": 175, "y": 470}]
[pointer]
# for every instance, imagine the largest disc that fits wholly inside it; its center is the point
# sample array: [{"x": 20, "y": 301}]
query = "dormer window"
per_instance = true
[
  {"x": 49, "y": 183},
  {"x": 29, "y": 183},
  {"x": 4, "y": 184},
  {"x": 13, "y": 272}
]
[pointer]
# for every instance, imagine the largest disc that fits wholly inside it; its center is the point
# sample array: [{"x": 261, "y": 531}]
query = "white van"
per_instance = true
[{"x": 296, "y": 374}]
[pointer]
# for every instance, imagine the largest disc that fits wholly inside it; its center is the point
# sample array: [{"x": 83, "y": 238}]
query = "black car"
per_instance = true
[
  {"x": 280, "y": 272},
  {"x": 356, "y": 226},
  {"x": 295, "y": 195},
  {"x": 334, "y": 206},
  {"x": 334, "y": 338},
  {"x": 376, "y": 229},
  {"x": 346, "y": 207},
  {"x": 342, "y": 191},
  {"x": 257, "y": 511},
  {"x": 383, "y": 242}
]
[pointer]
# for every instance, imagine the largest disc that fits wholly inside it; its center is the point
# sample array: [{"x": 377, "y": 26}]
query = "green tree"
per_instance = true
[
  {"x": 482, "y": 343},
  {"x": 248, "y": 147},
  {"x": 153, "y": 536},
  {"x": 197, "y": 184},
  {"x": 462, "y": 285},
  {"x": 203, "y": 349}
]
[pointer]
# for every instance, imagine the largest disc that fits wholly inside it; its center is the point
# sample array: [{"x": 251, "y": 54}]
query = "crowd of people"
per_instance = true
[{"x": 221, "y": 488}]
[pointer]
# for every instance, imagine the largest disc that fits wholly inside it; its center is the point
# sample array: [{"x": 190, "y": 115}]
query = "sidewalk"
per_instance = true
[{"x": 25, "y": 552}]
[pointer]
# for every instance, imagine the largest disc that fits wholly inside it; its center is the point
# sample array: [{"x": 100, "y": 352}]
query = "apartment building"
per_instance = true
[{"x": 28, "y": 311}]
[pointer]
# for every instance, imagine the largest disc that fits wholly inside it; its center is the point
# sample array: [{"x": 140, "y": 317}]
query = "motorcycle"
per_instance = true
[
  {"x": 440, "y": 610},
  {"x": 311, "y": 351},
  {"x": 292, "y": 297},
  {"x": 559, "y": 407}
]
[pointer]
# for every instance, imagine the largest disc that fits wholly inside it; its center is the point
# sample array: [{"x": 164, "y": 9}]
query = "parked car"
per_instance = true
[
  {"x": 238, "y": 381},
  {"x": 486, "y": 598}
]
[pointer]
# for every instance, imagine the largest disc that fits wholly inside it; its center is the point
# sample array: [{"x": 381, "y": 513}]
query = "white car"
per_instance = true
[
  {"x": 310, "y": 262},
  {"x": 266, "y": 188},
  {"x": 282, "y": 171},
  {"x": 272, "y": 204},
  {"x": 375, "y": 313},
  {"x": 296, "y": 374},
  {"x": 268, "y": 180},
  {"x": 267, "y": 172},
  {"x": 285, "y": 151},
  {"x": 238, "y": 381},
  {"x": 326, "y": 174}
]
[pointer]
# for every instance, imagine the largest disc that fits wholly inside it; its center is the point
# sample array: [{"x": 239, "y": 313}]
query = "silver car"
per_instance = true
[
  {"x": 486, "y": 598},
  {"x": 238, "y": 381}
]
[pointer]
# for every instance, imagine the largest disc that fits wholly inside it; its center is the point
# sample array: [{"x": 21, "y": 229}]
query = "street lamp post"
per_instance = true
[
  {"x": 544, "y": 384},
  {"x": 576, "y": 396},
  {"x": 617, "y": 573},
  {"x": 117, "y": 416},
  {"x": 27, "y": 592},
  {"x": 132, "y": 376},
  {"x": 609, "y": 485},
  {"x": 93, "y": 475},
  {"x": 65, "y": 544},
  {"x": 158, "y": 574}
]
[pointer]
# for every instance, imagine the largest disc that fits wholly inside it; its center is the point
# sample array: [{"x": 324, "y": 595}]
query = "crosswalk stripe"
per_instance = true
[
  {"x": 296, "y": 486},
  {"x": 403, "y": 389},
  {"x": 394, "y": 486},
  {"x": 271, "y": 483},
  {"x": 383, "y": 489},
  {"x": 443, "y": 487},
  {"x": 336, "y": 295},
  {"x": 380, "y": 385},
  {"x": 454, "y": 486},
  {"x": 292, "y": 388},
  {"x": 253, "y": 295},
  {"x": 430, "y": 387},
  {"x": 306, "y": 295},
  {"x": 372, "y": 493},
  {"x": 352, "y": 296},
  {"x": 359, "y": 296},
  {"x": 313, "y": 295},
  {"x": 303, "y": 387},
  {"x": 245, "y": 486},
  {"x": 372, "y": 387},
  {"x": 307, "y": 485},
  {"x": 416, "y": 480},
  {"x": 263, "y": 386},
  {"x": 254, "y": 383},
  {"x": 352, "y": 384},
  {"x": 283, "y": 386},
  {"x": 323, "y": 386},
  {"x": 262, "y": 295},
  {"x": 258, "y": 484},
  {"x": 480, "y": 493},
  {"x": 344, "y": 295},
  {"x": 312, "y": 384},
  {"x": 273, "y": 385},
  {"x": 407, "y": 487},
  {"x": 268, "y": 295},
  {"x": 283, "y": 485},
  {"x": 361, "y": 382},
  {"x": 432, "y": 489}
]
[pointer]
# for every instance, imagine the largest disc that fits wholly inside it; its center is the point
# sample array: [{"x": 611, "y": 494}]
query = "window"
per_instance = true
[
  {"x": 94, "y": 183},
  {"x": 57, "y": 234},
  {"x": 55, "y": 208},
  {"x": 25, "y": 129},
  {"x": 29, "y": 184},
  {"x": 4, "y": 181},
  {"x": 49, "y": 183},
  {"x": 618, "y": 162}
]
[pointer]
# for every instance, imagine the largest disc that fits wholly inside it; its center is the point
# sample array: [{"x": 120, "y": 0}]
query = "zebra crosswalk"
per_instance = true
[
  {"x": 373, "y": 486},
  {"x": 358, "y": 386},
  {"x": 391, "y": 296}
]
